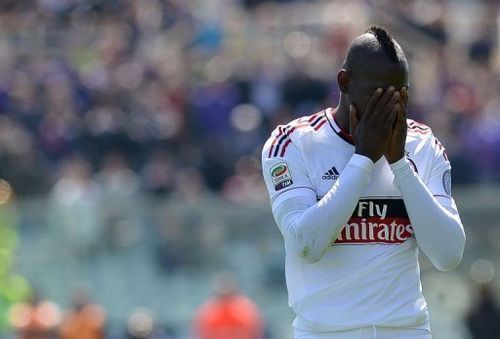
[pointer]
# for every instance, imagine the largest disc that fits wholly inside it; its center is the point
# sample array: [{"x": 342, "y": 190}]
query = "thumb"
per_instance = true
[{"x": 353, "y": 119}]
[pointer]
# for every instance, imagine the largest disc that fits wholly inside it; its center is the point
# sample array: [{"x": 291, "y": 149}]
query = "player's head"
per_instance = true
[{"x": 373, "y": 60}]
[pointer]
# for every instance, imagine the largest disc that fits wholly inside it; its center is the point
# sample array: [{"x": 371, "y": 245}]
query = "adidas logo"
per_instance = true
[{"x": 331, "y": 174}]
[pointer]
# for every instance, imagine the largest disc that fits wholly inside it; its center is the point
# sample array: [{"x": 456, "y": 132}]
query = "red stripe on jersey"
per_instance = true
[
  {"x": 419, "y": 128},
  {"x": 418, "y": 131},
  {"x": 315, "y": 115},
  {"x": 280, "y": 129},
  {"x": 418, "y": 124},
  {"x": 277, "y": 139},
  {"x": 319, "y": 124},
  {"x": 284, "y": 147},
  {"x": 343, "y": 134},
  {"x": 299, "y": 123}
]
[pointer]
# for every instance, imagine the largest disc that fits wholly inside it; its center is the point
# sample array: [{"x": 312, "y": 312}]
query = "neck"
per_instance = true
[{"x": 342, "y": 114}]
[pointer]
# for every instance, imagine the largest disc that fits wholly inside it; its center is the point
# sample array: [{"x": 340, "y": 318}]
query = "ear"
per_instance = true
[{"x": 343, "y": 80}]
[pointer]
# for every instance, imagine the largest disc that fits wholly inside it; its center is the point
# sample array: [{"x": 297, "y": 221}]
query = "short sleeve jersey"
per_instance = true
[{"x": 370, "y": 274}]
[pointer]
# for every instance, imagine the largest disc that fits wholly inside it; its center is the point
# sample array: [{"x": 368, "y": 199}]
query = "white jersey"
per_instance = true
[{"x": 369, "y": 276}]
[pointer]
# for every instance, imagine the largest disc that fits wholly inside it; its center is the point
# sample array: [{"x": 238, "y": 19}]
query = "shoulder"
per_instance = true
[
  {"x": 292, "y": 133},
  {"x": 418, "y": 130},
  {"x": 421, "y": 134}
]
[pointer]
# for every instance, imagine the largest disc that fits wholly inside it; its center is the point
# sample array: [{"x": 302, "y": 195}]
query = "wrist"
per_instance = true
[
  {"x": 401, "y": 167},
  {"x": 363, "y": 162},
  {"x": 392, "y": 160},
  {"x": 373, "y": 158}
]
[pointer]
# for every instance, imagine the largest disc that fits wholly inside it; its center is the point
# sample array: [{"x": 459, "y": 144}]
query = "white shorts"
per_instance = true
[{"x": 372, "y": 332}]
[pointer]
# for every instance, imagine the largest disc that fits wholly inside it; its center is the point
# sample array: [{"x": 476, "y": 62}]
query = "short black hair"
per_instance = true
[
  {"x": 386, "y": 41},
  {"x": 376, "y": 44}
]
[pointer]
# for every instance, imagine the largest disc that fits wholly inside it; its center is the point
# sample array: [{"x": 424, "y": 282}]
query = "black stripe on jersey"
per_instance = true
[
  {"x": 423, "y": 129},
  {"x": 289, "y": 131},
  {"x": 346, "y": 138}
]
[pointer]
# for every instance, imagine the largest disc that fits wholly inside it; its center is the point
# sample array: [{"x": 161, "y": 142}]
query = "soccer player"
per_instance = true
[{"x": 356, "y": 191}]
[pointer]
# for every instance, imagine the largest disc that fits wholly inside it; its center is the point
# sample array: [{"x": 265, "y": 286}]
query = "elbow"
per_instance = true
[
  {"x": 309, "y": 255},
  {"x": 451, "y": 260},
  {"x": 309, "y": 248},
  {"x": 449, "y": 263}
]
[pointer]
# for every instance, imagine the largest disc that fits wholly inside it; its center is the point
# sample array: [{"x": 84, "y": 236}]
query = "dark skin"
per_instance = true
[{"x": 372, "y": 107}]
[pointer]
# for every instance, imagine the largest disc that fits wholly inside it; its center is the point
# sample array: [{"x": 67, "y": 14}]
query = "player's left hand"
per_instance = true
[{"x": 396, "y": 148}]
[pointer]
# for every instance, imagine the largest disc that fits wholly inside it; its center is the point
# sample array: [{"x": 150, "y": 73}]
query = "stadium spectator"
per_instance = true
[
  {"x": 35, "y": 319},
  {"x": 85, "y": 320},
  {"x": 229, "y": 314},
  {"x": 483, "y": 320}
]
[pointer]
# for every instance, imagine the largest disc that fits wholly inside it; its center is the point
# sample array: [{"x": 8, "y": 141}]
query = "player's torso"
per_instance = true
[
  {"x": 376, "y": 248},
  {"x": 380, "y": 215}
]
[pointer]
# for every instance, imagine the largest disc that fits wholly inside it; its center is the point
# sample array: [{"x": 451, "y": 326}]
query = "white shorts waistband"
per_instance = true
[{"x": 372, "y": 332}]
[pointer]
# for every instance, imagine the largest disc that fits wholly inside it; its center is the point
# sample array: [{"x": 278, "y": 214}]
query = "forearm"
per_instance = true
[
  {"x": 438, "y": 231},
  {"x": 312, "y": 229}
]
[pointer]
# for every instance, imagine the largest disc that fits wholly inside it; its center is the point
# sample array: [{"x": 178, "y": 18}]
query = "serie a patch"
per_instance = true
[{"x": 280, "y": 175}]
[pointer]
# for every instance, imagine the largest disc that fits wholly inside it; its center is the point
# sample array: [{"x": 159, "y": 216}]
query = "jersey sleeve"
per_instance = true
[
  {"x": 431, "y": 209},
  {"x": 439, "y": 183},
  {"x": 285, "y": 175}
]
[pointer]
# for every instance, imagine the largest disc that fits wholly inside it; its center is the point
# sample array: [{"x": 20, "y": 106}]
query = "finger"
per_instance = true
[
  {"x": 353, "y": 119},
  {"x": 392, "y": 117},
  {"x": 401, "y": 119},
  {"x": 389, "y": 106},
  {"x": 372, "y": 102},
  {"x": 396, "y": 97},
  {"x": 379, "y": 107},
  {"x": 404, "y": 108},
  {"x": 404, "y": 96}
]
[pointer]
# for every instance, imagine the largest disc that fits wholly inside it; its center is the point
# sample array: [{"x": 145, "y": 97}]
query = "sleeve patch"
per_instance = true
[
  {"x": 447, "y": 182},
  {"x": 280, "y": 175}
]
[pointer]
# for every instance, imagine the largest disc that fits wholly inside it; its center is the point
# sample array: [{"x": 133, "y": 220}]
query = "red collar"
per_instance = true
[{"x": 342, "y": 133}]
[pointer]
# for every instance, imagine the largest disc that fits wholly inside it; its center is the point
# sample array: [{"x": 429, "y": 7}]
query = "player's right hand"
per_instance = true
[{"x": 372, "y": 131}]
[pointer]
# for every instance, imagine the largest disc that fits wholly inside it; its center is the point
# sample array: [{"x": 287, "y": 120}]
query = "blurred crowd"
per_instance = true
[
  {"x": 135, "y": 94},
  {"x": 227, "y": 314}
]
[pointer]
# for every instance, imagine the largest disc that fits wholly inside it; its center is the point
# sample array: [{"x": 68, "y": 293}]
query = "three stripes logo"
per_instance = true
[{"x": 331, "y": 174}]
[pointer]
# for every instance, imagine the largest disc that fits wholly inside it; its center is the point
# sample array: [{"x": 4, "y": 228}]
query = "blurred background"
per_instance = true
[{"x": 130, "y": 138}]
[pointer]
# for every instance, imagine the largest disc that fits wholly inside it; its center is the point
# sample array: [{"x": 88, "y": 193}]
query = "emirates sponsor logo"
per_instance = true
[
  {"x": 377, "y": 221},
  {"x": 372, "y": 230}
]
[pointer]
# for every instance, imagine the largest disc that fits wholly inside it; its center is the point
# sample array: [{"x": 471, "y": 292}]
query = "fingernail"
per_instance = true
[
  {"x": 391, "y": 88},
  {"x": 379, "y": 90},
  {"x": 351, "y": 108}
]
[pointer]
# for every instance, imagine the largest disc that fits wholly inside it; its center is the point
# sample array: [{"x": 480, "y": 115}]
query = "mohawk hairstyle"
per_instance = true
[{"x": 385, "y": 39}]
